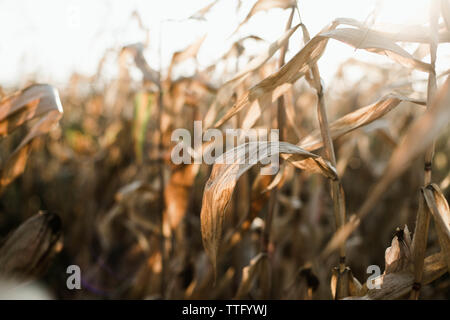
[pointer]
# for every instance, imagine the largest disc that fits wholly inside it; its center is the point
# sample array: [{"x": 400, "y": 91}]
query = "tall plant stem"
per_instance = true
[
  {"x": 281, "y": 124},
  {"x": 419, "y": 243},
  {"x": 337, "y": 193}
]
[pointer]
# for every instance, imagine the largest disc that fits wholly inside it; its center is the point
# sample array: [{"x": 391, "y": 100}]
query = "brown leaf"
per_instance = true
[
  {"x": 398, "y": 255},
  {"x": 220, "y": 185},
  {"x": 440, "y": 211},
  {"x": 32, "y": 102}
]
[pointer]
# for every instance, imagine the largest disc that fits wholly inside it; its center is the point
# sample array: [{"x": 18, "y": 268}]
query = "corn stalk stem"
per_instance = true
[
  {"x": 281, "y": 121},
  {"x": 336, "y": 188},
  {"x": 419, "y": 243},
  {"x": 281, "y": 124}
]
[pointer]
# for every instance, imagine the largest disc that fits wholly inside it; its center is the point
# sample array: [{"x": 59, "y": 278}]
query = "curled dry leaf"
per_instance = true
[
  {"x": 398, "y": 256},
  {"x": 37, "y": 101},
  {"x": 32, "y": 102},
  {"x": 439, "y": 209},
  {"x": 220, "y": 185},
  {"x": 313, "y": 165},
  {"x": 30, "y": 248}
]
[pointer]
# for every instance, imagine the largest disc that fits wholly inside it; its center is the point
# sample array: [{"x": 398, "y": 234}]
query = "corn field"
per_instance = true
[{"x": 357, "y": 208}]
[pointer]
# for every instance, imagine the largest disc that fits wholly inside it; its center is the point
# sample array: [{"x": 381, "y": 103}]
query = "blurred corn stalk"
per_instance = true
[
  {"x": 28, "y": 251},
  {"x": 146, "y": 228}
]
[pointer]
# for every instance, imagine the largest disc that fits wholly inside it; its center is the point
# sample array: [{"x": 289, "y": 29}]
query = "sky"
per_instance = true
[{"x": 47, "y": 40}]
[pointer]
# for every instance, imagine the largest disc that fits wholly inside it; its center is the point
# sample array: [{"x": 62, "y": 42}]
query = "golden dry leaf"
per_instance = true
[
  {"x": 220, "y": 185},
  {"x": 398, "y": 256},
  {"x": 439, "y": 208},
  {"x": 17, "y": 160},
  {"x": 25, "y": 105},
  {"x": 313, "y": 165},
  {"x": 30, "y": 248},
  {"x": 33, "y": 102}
]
